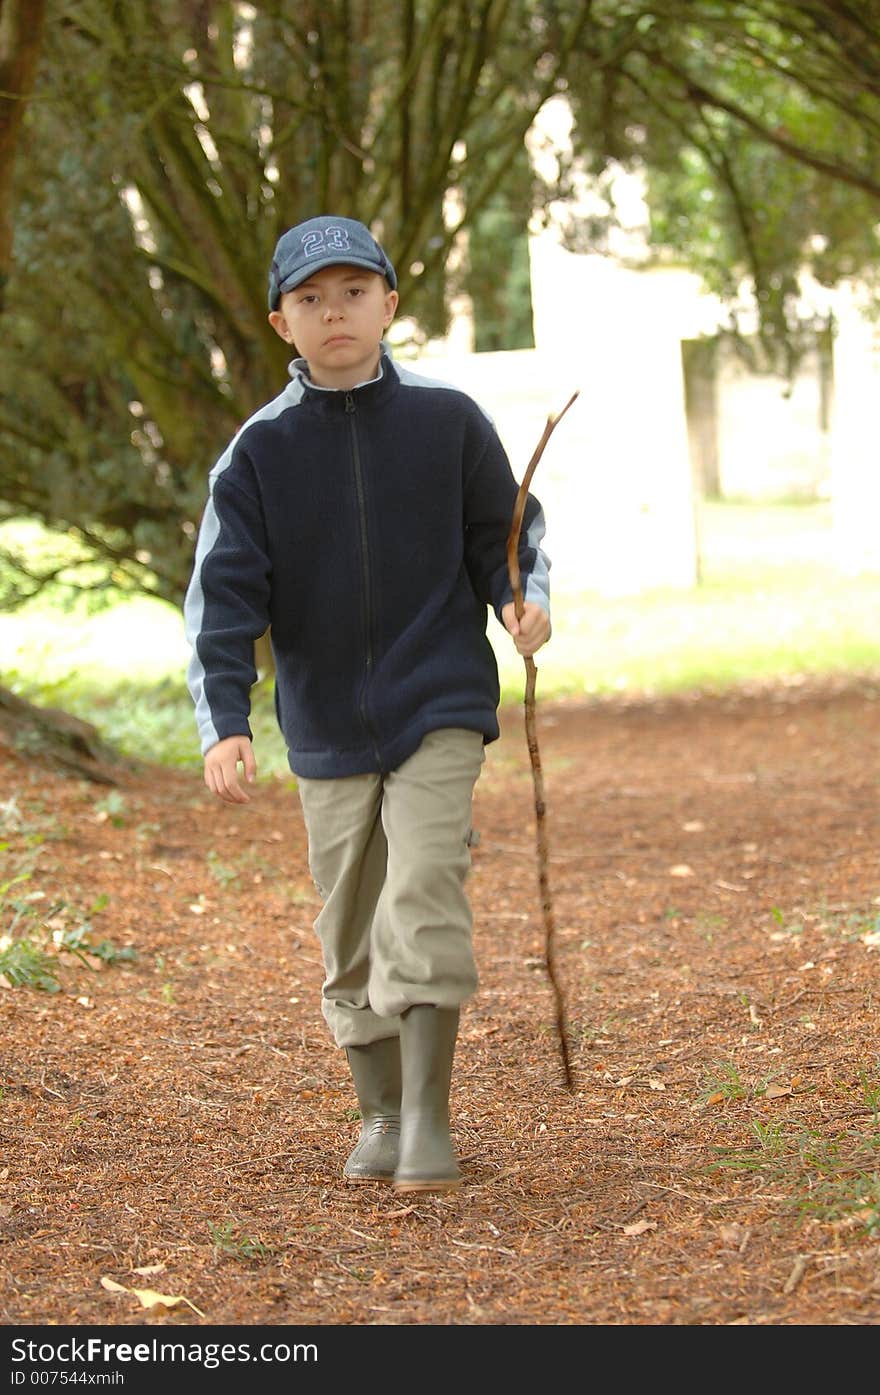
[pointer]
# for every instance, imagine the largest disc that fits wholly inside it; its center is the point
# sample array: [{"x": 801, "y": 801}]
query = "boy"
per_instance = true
[{"x": 362, "y": 516}]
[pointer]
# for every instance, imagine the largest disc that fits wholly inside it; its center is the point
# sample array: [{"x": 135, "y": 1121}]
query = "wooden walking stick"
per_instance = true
[{"x": 532, "y": 739}]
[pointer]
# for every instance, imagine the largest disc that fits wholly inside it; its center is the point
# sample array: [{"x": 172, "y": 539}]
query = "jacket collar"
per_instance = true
[{"x": 372, "y": 389}]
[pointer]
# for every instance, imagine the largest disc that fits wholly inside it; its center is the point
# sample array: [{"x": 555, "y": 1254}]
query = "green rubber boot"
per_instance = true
[
  {"x": 427, "y": 1161},
  {"x": 375, "y": 1070}
]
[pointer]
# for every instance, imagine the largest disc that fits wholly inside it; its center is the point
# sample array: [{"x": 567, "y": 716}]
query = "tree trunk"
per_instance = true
[
  {"x": 46, "y": 734},
  {"x": 700, "y": 363},
  {"x": 21, "y": 35}
]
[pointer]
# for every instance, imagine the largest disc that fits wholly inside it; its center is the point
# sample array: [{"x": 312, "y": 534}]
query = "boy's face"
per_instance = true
[{"x": 335, "y": 320}]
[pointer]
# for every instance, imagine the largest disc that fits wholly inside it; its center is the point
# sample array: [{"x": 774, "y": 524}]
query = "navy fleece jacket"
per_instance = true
[{"x": 367, "y": 529}]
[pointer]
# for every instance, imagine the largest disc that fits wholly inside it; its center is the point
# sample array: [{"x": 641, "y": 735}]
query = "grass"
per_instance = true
[
  {"x": 38, "y": 930},
  {"x": 771, "y": 606},
  {"x": 835, "y": 1178},
  {"x": 832, "y": 1178},
  {"x": 227, "y": 1241}
]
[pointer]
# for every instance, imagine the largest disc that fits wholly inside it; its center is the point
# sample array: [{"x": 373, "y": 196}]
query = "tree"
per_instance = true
[
  {"x": 21, "y": 32},
  {"x": 174, "y": 144},
  {"x": 61, "y": 738},
  {"x": 758, "y": 128},
  {"x": 173, "y": 140}
]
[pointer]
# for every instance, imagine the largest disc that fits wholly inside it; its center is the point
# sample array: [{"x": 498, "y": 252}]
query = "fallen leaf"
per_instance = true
[
  {"x": 150, "y": 1269},
  {"x": 775, "y": 1092},
  {"x": 639, "y": 1227},
  {"x": 148, "y": 1297},
  {"x": 681, "y": 869},
  {"x": 151, "y": 1299},
  {"x": 733, "y": 1234}
]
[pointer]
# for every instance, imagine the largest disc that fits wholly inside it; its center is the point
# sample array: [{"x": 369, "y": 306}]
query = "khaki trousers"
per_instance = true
[{"x": 389, "y": 856}]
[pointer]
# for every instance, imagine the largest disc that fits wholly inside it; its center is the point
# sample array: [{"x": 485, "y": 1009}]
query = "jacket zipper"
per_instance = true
[{"x": 367, "y": 609}]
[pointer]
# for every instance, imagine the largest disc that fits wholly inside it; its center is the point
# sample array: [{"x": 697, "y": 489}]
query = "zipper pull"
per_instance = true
[{"x": 349, "y": 402}]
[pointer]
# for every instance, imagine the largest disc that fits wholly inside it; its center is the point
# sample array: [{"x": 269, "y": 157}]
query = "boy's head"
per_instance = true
[
  {"x": 321, "y": 242},
  {"x": 332, "y": 295}
]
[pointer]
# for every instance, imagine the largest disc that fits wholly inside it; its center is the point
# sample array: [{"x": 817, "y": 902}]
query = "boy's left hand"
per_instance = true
[{"x": 531, "y": 631}]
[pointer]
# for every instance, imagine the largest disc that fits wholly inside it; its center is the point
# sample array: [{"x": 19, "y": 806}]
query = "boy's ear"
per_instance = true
[
  {"x": 391, "y": 302},
  {"x": 279, "y": 324}
]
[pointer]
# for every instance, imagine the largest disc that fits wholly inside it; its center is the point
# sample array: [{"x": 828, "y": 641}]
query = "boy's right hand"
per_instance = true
[{"x": 221, "y": 769}]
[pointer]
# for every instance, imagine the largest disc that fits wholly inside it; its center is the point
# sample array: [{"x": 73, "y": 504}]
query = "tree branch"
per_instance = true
[
  {"x": 532, "y": 739},
  {"x": 832, "y": 166}
]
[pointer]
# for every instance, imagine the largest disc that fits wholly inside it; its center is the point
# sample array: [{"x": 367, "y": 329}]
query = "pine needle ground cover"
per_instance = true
[{"x": 175, "y": 1117}]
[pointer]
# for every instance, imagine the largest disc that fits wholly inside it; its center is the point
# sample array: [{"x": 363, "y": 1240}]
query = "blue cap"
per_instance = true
[{"x": 320, "y": 242}]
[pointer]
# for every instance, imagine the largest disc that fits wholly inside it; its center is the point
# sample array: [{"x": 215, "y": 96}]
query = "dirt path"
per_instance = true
[{"x": 178, "y": 1123}]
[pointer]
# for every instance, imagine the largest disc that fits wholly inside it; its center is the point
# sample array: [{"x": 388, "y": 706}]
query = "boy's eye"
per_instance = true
[{"x": 355, "y": 290}]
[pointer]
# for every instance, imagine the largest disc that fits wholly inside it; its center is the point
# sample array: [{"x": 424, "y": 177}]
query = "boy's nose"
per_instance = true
[{"x": 331, "y": 311}]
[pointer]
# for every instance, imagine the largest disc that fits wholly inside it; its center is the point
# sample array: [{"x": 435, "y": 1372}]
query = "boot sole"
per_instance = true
[
  {"x": 385, "y": 1181},
  {"x": 447, "y": 1185}
]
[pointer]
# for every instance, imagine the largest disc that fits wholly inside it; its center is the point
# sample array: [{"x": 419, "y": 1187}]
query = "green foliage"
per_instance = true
[
  {"x": 855, "y": 1197},
  {"x": 220, "y": 870},
  {"x": 851, "y": 925},
  {"x": 113, "y": 807},
  {"x": 7, "y": 898},
  {"x": 829, "y": 1179},
  {"x": 227, "y": 1241},
  {"x": 756, "y": 127},
  {"x": 724, "y": 1081},
  {"x": 78, "y": 941},
  {"x": 35, "y": 930},
  {"x": 28, "y": 965},
  {"x": 167, "y": 146},
  {"x": 871, "y": 1091},
  {"x": 770, "y": 1137},
  {"x": 497, "y": 273}
]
